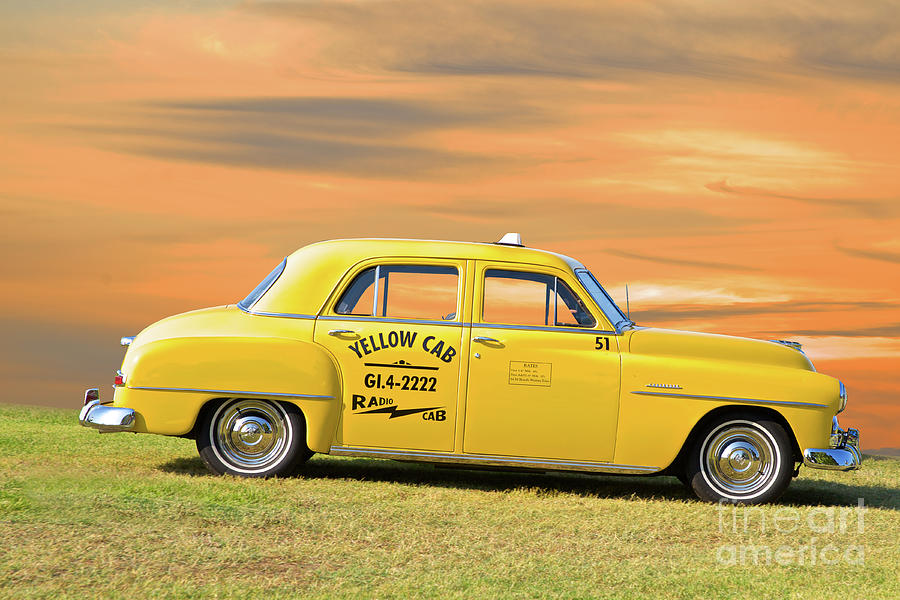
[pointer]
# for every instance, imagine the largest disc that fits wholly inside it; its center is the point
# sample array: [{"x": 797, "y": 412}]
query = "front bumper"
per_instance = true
[
  {"x": 107, "y": 419},
  {"x": 843, "y": 455}
]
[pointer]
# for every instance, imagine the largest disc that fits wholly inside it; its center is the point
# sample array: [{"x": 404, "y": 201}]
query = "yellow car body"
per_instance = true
[{"x": 597, "y": 395}]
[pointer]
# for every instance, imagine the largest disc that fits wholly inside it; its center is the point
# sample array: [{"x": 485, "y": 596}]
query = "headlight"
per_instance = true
[{"x": 843, "y": 392}]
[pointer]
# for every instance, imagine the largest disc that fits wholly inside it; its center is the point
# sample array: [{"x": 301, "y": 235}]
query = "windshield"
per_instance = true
[
  {"x": 613, "y": 312},
  {"x": 263, "y": 286}
]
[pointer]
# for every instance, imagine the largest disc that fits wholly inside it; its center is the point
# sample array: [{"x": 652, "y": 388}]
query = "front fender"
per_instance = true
[{"x": 663, "y": 398}]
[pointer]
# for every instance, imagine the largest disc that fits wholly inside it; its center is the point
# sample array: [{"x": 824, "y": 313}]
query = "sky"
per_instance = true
[{"x": 735, "y": 164}]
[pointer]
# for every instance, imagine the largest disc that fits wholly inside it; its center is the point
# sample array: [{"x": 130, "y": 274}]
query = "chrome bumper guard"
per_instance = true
[
  {"x": 843, "y": 455},
  {"x": 106, "y": 419}
]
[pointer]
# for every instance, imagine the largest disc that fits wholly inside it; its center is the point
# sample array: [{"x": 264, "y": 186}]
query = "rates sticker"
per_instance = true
[{"x": 529, "y": 373}]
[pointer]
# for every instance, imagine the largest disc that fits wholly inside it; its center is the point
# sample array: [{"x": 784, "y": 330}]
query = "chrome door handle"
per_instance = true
[
  {"x": 486, "y": 340},
  {"x": 340, "y": 332}
]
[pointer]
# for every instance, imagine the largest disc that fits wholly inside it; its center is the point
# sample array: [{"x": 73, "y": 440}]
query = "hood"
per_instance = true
[{"x": 689, "y": 344}]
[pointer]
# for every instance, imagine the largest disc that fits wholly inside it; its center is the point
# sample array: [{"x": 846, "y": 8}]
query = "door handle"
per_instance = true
[
  {"x": 486, "y": 340},
  {"x": 340, "y": 332}
]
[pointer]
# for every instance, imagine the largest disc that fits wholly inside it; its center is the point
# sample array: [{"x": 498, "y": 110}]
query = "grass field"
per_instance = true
[{"x": 125, "y": 516}]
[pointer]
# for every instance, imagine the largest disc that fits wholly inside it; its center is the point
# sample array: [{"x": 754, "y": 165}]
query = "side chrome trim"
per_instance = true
[
  {"x": 543, "y": 328},
  {"x": 493, "y": 460},
  {"x": 729, "y": 399},
  {"x": 230, "y": 392},
  {"x": 390, "y": 320}
]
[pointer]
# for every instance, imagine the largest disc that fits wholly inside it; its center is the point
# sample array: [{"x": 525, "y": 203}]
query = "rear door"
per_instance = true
[{"x": 395, "y": 331}]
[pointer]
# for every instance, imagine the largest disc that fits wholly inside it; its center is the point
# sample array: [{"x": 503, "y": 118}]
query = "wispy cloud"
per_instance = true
[
  {"x": 892, "y": 331},
  {"x": 867, "y": 207},
  {"x": 667, "y": 260},
  {"x": 831, "y": 348},
  {"x": 359, "y": 137},
  {"x": 882, "y": 255},
  {"x": 576, "y": 40},
  {"x": 674, "y": 313},
  {"x": 354, "y": 117}
]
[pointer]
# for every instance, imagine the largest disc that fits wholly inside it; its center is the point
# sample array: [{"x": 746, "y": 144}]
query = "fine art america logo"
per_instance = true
[{"x": 822, "y": 536}]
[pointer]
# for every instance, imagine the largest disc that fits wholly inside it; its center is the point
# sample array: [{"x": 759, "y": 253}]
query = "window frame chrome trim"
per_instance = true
[
  {"x": 389, "y": 320},
  {"x": 375, "y": 291},
  {"x": 339, "y": 291},
  {"x": 283, "y": 265},
  {"x": 556, "y": 279},
  {"x": 627, "y": 321},
  {"x": 546, "y": 328},
  {"x": 231, "y": 392},
  {"x": 489, "y": 459},
  {"x": 730, "y": 399}
]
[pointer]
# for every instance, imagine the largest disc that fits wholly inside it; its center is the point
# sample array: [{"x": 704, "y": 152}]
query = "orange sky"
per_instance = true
[{"x": 735, "y": 164}]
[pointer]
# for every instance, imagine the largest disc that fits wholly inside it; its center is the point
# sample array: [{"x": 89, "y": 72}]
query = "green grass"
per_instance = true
[{"x": 125, "y": 516}]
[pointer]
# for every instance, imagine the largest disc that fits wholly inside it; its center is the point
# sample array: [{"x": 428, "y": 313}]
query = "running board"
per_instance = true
[{"x": 543, "y": 464}]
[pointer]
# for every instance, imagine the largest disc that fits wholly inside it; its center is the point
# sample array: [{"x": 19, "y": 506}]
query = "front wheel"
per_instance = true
[
  {"x": 252, "y": 438},
  {"x": 743, "y": 459}
]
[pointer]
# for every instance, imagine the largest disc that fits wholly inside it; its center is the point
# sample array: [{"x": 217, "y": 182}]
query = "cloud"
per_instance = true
[
  {"x": 271, "y": 151},
  {"x": 578, "y": 217},
  {"x": 681, "y": 262},
  {"x": 870, "y": 208},
  {"x": 360, "y": 137},
  {"x": 836, "y": 348},
  {"x": 355, "y": 117},
  {"x": 886, "y": 331},
  {"x": 685, "y": 312},
  {"x": 891, "y": 257},
  {"x": 585, "y": 40}
]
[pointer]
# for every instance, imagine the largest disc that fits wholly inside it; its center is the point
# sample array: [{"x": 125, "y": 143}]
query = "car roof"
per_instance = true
[
  {"x": 364, "y": 248},
  {"x": 311, "y": 272}
]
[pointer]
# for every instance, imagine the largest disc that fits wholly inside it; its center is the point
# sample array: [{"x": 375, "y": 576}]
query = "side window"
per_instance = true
[
  {"x": 403, "y": 292},
  {"x": 519, "y": 298}
]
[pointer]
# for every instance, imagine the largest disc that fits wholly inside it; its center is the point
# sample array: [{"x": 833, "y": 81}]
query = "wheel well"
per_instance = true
[
  {"x": 721, "y": 411},
  {"x": 213, "y": 403}
]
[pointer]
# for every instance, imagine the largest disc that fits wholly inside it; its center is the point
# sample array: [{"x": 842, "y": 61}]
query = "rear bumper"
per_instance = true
[
  {"x": 843, "y": 455},
  {"x": 106, "y": 419}
]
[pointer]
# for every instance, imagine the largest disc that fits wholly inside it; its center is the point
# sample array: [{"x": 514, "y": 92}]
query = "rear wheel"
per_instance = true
[
  {"x": 741, "y": 458},
  {"x": 253, "y": 438}
]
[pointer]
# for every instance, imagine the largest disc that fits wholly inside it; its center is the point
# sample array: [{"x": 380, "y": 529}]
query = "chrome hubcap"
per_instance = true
[
  {"x": 739, "y": 459},
  {"x": 251, "y": 435}
]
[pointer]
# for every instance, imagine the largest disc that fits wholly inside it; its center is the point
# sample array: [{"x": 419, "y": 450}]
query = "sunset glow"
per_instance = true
[{"x": 734, "y": 164}]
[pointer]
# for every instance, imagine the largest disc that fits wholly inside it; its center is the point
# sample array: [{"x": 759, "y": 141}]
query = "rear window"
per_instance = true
[
  {"x": 263, "y": 286},
  {"x": 422, "y": 292}
]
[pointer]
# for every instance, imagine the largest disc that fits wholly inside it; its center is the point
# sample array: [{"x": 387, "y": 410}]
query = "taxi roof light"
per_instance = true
[{"x": 511, "y": 239}]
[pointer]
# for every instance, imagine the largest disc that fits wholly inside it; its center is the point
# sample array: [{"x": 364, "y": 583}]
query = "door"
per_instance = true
[
  {"x": 544, "y": 369},
  {"x": 395, "y": 333}
]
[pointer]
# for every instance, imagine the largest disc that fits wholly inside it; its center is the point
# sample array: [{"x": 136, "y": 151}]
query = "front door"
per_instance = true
[
  {"x": 544, "y": 369},
  {"x": 394, "y": 331}
]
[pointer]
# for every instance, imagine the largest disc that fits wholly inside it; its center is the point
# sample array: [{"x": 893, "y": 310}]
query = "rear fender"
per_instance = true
[{"x": 168, "y": 381}]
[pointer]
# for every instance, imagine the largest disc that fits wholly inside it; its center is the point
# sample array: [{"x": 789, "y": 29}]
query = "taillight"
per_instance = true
[{"x": 120, "y": 379}]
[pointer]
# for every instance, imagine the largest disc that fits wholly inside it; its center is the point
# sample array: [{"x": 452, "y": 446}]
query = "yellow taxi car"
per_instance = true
[{"x": 482, "y": 355}]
